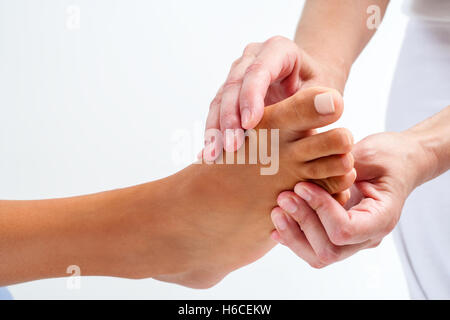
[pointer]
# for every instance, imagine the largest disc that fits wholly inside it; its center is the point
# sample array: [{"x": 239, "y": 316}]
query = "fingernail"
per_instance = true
[
  {"x": 302, "y": 192},
  {"x": 279, "y": 221},
  {"x": 234, "y": 138},
  {"x": 288, "y": 205},
  {"x": 324, "y": 103},
  {"x": 246, "y": 117},
  {"x": 209, "y": 153}
]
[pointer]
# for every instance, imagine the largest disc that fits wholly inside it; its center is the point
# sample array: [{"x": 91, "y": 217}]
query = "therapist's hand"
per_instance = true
[
  {"x": 265, "y": 74},
  {"x": 319, "y": 230}
]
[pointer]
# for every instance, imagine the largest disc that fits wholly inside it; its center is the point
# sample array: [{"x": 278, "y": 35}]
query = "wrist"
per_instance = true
[
  {"x": 423, "y": 154},
  {"x": 433, "y": 136}
]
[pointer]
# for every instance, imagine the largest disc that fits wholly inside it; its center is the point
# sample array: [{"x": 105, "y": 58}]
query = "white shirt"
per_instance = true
[
  {"x": 421, "y": 88},
  {"x": 438, "y": 10}
]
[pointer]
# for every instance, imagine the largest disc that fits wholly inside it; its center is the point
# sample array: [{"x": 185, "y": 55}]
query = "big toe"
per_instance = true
[{"x": 307, "y": 109}]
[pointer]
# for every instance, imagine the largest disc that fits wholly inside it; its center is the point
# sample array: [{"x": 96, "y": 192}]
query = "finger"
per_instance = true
[
  {"x": 213, "y": 146},
  {"x": 361, "y": 223},
  {"x": 229, "y": 106},
  {"x": 289, "y": 234},
  {"x": 342, "y": 197},
  {"x": 276, "y": 236},
  {"x": 326, "y": 167},
  {"x": 310, "y": 224},
  {"x": 279, "y": 59},
  {"x": 307, "y": 109},
  {"x": 336, "y": 185},
  {"x": 335, "y": 141},
  {"x": 212, "y": 121}
]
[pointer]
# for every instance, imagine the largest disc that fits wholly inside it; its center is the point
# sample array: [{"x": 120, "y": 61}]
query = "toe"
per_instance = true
[{"x": 307, "y": 109}]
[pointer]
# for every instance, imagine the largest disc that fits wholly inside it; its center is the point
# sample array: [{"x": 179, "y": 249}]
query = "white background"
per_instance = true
[{"x": 95, "y": 108}]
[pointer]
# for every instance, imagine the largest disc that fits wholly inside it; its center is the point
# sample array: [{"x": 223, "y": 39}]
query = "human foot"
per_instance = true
[
  {"x": 191, "y": 228},
  {"x": 223, "y": 221}
]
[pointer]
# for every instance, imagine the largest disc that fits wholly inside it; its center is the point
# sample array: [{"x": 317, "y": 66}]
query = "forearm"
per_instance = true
[
  {"x": 335, "y": 32},
  {"x": 99, "y": 233},
  {"x": 433, "y": 135}
]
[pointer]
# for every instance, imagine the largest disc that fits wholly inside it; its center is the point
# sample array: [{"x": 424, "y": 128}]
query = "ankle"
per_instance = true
[{"x": 155, "y": 236}]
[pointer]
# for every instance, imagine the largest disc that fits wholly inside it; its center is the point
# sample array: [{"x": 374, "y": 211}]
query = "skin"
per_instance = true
[
  {"x": 271, "y": 71},
  {"x": 312, "y": 224},
  {"x": 181, "y": 228},
  {"x": 390, "y": 166}
]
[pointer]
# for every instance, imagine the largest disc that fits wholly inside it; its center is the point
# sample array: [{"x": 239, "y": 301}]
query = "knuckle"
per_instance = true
[
  {"x": 341, "y": 235},
  {"x": 258, "y": 70},
  {"x": 236, "y": 63},
  {"x": 276, "y": 39},
  {"x": 255, "y": 67},
  {"x": 320, "y": 206},
  {"x": 328, "y": 255},
  {"x": 250, "y": 49},
  {"x": 302, "y": 218},
  {"x": 232, "y": 82}
]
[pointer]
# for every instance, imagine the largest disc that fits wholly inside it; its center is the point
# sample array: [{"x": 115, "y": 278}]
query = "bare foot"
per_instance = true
[{"x": 222, "y": 221}]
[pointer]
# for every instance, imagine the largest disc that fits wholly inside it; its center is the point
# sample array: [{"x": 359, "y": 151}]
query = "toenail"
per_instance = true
[{"x": 324, "y": 103}]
